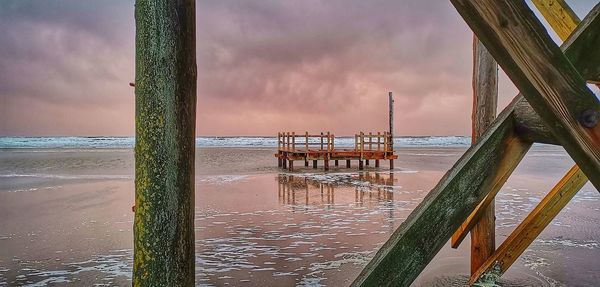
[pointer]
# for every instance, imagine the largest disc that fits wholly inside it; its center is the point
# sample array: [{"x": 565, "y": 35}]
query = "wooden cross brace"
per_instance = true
[{"x": 568, "y": 112}]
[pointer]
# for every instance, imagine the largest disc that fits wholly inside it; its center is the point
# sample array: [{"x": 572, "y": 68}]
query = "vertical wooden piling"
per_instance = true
[
  {"x": 391, "y": 123},
  {"x": 347, "y": 163},
  {"x": 165, "y": 89},
  {"x": 306, "y": 147},
  {"x": 336, "y": 163},
  {"x": 315, "y": 163},
  {"x": 485, "y": 98}
]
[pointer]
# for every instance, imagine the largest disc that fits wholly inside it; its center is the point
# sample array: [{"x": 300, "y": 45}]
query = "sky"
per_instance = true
[{"x": 263, "y": 66}]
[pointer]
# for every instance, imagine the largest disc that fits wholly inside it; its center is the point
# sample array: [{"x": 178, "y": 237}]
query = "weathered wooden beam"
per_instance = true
[
  {"x": 533, "y": 224},
  {"x": 583, "y": 47},
  {"x": 485, "y": 103},
  {"x": 556, "y": 91},
  {"x": 484, "y": 167},
  {"x": 559, "y": 15},
  {"x": 529, "y": 126},
  {"x": 165, "y": 88}
]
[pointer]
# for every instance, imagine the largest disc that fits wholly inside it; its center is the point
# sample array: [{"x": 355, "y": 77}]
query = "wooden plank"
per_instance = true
[
  {"x": 534, "y": 223},
  {"x": 485, "y": 103},
  {"x": 555, "y": 90},
  {"x": 584, "y": 43},
  {"x": 165, "y": 89},
  {"x": 559, "y": 15},
  {"x": 484, "y": 167},
  {"x": 530, "y": 127}
]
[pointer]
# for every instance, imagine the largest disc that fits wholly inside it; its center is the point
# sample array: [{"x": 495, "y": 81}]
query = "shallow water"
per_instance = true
[{"x": 65, "y": 219}]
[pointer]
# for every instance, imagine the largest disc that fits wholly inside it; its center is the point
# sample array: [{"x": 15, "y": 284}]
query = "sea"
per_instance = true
[{"x": 213, "y": 141}]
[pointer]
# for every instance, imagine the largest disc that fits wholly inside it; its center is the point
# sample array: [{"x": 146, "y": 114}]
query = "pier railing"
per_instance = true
[
  {"x": 315, "y": 147},
  {"x": 290, "y": 141}
]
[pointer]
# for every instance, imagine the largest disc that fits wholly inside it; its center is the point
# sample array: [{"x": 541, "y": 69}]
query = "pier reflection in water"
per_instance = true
[{"x": 301, "y": 190}]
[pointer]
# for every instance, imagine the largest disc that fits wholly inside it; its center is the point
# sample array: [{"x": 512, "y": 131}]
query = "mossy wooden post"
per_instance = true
[
  {"x": 165, "y": 88},
  {"x": 485, "y": 102}
]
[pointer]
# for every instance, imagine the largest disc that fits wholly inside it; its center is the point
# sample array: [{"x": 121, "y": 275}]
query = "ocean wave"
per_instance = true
[
  {"x": 129, "y": 142},
  {"x": 60, "y": 176}
]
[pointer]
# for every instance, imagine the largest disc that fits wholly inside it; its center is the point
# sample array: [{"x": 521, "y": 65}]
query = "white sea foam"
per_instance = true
[
  {"x": 128, "y": 142},
  {"x": 61, "y": 176}
]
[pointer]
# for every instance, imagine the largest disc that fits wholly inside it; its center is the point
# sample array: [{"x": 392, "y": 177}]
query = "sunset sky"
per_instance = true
[{"x": 263, "y": 66}]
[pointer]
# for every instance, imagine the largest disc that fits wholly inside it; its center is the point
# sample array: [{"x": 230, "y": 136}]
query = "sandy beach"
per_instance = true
[{"x": 66, "y": 219}]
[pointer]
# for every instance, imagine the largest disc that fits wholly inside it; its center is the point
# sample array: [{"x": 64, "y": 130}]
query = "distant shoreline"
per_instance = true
[{"x": 229, "y": 141}]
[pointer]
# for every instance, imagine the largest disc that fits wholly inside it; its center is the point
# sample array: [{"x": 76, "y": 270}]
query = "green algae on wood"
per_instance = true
[{"x": 165, "y": 88}]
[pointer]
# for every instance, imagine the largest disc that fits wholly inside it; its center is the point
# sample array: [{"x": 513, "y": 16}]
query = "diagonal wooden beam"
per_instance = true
[
  {"x": 584, "y": 43},
  {"x": 559, "y": 15},
  {"x": 529, "y": 125},
  {"x": 533, "y": 224},
  {"x": 484, "y": 167},
  {"x": 553, "y": 87},
  {"x": 481, "y": 170}
]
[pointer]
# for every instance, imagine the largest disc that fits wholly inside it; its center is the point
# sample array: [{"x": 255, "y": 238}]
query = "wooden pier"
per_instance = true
[{"x": 315, "y": 147}]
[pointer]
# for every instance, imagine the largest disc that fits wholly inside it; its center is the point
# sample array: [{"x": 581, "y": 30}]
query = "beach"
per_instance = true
[{"x": 66, "y": 218}]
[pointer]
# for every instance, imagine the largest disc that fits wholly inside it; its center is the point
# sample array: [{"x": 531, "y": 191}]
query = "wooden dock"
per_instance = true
[{"x": 315, "y": 147}]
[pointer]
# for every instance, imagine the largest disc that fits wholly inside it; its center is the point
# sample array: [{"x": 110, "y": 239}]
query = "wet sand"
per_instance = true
[{"x": 65, "y": 219}]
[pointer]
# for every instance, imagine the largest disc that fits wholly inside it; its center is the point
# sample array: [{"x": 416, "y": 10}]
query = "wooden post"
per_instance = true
[
  {"x": 294, "y": 141},
  {"x": 336, "y": 163},
  {"x": 485, "y": 99},
  {"x": 370, "y": 146},
  {"x": 347, "y": 163},
  {"x": 376, "y": 163},
  {"x": 284, "y": 160},
  {"x": 165, "y": 89},
  {"x": 321, "y": 141},
  {"x": 315, "y": 163},
  {"x": 326, "y": 157},
  {"x": 391, "y": 119},
  {"x": 291, "y": 165},
  {"x": 306, "y": 147}
]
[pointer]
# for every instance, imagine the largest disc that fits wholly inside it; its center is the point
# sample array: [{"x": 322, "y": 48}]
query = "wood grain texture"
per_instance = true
[
  {"x": 529, "y": 126},
  {"x": 559, "y": 15},
  {"x": 584, "y": 42},
  {"x": 555, "y": 90},
  {"x": 534, "y": 223},
  {"x": 484, "y": 167},
  {"x": 485, "y": 103},
  {"x": 165, "y": 88}
]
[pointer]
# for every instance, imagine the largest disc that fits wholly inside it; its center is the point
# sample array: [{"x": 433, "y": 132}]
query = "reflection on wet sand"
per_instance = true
[{"x": 290, "y": 187}]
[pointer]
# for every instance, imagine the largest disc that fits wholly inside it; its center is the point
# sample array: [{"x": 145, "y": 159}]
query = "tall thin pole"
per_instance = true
[
  {"x": 391, "y": 110},
  {"x": 165, "y": 122}
]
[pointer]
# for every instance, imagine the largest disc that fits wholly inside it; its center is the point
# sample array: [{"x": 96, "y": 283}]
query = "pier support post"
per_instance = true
[
  {"x": 347, "y": 163},
  {"x": 360, "y": 165},
  {"x": 284, "y": 161},
  {"x": 279, "y": 161},
  {"x": 485, "y": 99},
  {"x": 336, "y": 163},
  {"x": 305, "y": 162},
  {"x": 367, "y": 162},
  {"x": 315, "y": 163},
  {"x": 165, "y": 118},
  {"x": 391, "y": 164},
  {"x": 326, "y": 163},
  {"x": 291, "y": 165},
  {"x": 376, "y": 163}
]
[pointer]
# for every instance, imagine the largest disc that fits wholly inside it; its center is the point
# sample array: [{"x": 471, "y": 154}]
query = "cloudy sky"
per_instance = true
[{"x": 263, "y": 66}]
